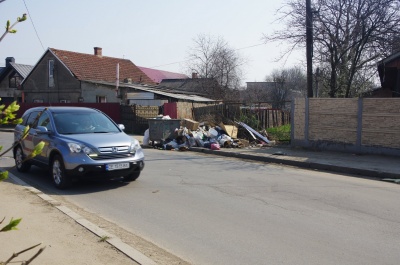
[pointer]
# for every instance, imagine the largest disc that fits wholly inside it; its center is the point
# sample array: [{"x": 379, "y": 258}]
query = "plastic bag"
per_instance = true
[
  {"x": 215, "y": 146},
  {"x": 146, "y": 137}
]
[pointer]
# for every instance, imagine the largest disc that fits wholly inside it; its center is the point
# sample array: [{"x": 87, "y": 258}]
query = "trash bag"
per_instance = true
[
  {"x": 215, "y": 146},
  {"x": 146, "y": 137}
]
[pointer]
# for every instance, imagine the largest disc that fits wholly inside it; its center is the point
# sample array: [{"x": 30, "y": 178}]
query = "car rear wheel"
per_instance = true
[
  {"x": 133, "y": 176},
  {"x": 20, "y": 164},
  {"x": 60, "y": 178}
]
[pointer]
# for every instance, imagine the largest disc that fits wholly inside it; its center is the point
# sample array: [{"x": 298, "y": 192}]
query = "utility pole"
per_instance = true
[{"x": 309, "y": 47}]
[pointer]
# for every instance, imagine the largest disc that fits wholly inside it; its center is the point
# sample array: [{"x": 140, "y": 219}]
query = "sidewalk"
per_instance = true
[{"x": 369, "y": 166}]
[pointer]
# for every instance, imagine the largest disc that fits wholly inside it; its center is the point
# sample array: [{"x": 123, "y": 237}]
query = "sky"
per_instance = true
[{"x": 151, "y": 33}]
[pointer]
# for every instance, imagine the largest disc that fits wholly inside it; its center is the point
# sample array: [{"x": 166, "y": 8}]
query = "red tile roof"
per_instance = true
[
  {"x": 101, "y": 68},
  {"x": 159, "y": 75}
]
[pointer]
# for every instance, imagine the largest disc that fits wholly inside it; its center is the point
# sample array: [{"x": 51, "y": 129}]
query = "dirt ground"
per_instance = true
[{"x": 65, "y": 241}]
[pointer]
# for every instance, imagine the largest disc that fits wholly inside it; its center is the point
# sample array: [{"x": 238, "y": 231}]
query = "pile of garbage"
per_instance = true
[{"x": 195, "y": 134}]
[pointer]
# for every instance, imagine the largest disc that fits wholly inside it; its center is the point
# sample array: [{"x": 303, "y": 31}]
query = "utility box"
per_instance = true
[{"x": 161, "y": 129}]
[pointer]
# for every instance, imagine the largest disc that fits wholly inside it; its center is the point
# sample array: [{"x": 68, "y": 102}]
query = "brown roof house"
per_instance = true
[
  {"x": 68, "y": 77},
  {"x": 11, "y": 77}
]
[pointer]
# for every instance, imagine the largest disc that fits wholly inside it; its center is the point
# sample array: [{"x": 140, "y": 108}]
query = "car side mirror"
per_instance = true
[
  {"x": 121, "y": 126},
  {"x": 42, "y": 130}
]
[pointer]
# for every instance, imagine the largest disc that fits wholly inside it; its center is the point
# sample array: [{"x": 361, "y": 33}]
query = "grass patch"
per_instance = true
[
  {"x": 280, "y": 134},
  {"x": 104, "y": 238}
]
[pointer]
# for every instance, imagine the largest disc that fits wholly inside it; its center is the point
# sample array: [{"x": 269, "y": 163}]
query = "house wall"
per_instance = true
[
  {"x": 364, "y": 125},
  {"x": 36, "y": 85},
  {"x": 90, "y": 91},
  {"x": 8, "y": 94}
]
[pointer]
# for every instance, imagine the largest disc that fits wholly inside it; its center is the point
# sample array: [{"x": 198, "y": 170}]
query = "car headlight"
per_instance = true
[
  {"x": 77, "y": 148},
  {"x": 135, "y": 146}
]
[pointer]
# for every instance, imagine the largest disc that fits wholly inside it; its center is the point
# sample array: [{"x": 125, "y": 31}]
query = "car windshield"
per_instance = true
[{"x": 76, "y": 123}]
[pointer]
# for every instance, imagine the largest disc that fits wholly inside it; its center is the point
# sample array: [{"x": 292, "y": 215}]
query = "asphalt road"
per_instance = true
[{"x": 214, "y": 210}]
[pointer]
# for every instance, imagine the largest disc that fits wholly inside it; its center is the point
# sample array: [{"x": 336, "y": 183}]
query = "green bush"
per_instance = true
[{"x": 280, "y": 134}]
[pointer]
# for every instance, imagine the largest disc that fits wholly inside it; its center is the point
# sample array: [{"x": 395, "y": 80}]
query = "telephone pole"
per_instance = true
[{"x": 309, "y": 48}]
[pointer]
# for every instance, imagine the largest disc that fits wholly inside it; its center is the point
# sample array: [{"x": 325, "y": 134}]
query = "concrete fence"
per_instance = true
[{"x": 359, "y": 125}]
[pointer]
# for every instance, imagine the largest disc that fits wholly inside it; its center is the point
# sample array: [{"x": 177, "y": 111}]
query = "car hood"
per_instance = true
[{"x": 100, "y": 139}]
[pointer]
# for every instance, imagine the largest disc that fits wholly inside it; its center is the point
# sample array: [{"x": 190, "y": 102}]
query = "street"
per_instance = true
[{"x": 213, "y": 210}]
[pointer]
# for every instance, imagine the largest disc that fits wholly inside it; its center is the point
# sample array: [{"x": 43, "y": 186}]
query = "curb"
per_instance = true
[
  {"x": 372, "y": 174},
  {"x": 114, "y": 241}
]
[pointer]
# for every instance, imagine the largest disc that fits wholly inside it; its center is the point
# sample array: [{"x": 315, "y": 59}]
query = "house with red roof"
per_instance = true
[
  {"x": 66, "y": 76},
  {"x": 160, "y": 75}
]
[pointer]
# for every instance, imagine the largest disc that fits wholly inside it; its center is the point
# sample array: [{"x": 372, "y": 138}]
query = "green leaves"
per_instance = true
[
  {"x": 3, "y": 175},
  {"x": 37, "y": 150},
  {"x": 8, "y": 115},
  {"x": 12, "y": 225},
  {"x": 23, "y": 18}
]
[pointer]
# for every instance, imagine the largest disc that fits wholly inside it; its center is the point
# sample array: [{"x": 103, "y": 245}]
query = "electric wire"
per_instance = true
[{"x": 30, "y": 18}]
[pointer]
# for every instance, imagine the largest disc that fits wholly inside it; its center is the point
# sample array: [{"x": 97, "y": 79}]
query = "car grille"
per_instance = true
[{"x": 113, "y": 152}]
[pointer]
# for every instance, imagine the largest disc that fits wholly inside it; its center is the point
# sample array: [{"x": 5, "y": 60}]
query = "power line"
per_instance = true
[{"x": 30, "y": 18}]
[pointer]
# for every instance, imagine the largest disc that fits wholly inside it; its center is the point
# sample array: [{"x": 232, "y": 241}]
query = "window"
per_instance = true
[
  {"x": 32, "y": 118},
  {"x": 101, "y": 99},
  {"x": 51, "y": 73},
  {"x": 15, "y": 81},
  {"x": 44, "y": 120}
]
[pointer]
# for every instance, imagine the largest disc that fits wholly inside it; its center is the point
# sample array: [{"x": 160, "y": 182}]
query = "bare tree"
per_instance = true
[
  {"x": 213, "y": 59},
  {"x": 287, "y": 84},
  {"x": 350, "y": 36}
]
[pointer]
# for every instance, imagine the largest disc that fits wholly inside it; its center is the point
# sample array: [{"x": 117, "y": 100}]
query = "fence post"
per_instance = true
[
  {"x": 306, "y": 120},
  {"x": 359, "y": 123}
]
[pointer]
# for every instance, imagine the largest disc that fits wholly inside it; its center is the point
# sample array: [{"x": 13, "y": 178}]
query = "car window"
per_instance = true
[
  {"x": 25, "y": 119},
  {"x": 44, "y": 120},
  {"x": 32, "y": 118},
  {"x": 83, "y": 122}
]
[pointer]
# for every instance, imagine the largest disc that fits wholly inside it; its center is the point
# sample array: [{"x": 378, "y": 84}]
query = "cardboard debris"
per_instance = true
[
  {"x": 231, "y": 130},
  {"x": 190, "y": 124}
]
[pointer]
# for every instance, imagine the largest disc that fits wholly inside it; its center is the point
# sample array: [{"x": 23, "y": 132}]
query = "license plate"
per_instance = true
[{"x": 118, "y": 166}]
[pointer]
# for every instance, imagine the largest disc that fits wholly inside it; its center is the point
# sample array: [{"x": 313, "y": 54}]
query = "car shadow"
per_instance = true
[{"x": 40, "y": 179}]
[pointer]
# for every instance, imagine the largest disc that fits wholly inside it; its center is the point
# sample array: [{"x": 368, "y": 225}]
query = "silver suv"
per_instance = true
[{"x": 79, "y": 143}]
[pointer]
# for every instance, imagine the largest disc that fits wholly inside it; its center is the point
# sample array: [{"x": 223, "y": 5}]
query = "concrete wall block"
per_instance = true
[
  {"x": 333, "y": 105},
  {"x": 381, "y": 139},
  {"x": 333, "y": 134},
  {"x": 381, "y": 105},
  {"x": 347, "y": 121}
]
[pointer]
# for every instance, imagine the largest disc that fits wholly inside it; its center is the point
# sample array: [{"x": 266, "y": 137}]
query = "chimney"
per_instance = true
[
  {"x": 9, "y": 60},
  {"x": 194, "y": 75},
  {"x": 98, "y": 51}
]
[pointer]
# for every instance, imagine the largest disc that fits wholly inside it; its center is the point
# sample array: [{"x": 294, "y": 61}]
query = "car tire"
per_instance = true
[
  {"x": 133, "y": 176},
  {"x": 60, "y": 179},
  {"x": 20, "y": 164}
]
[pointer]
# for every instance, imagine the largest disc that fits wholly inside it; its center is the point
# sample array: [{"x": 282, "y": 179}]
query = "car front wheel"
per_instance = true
[
  {"x": 60, "y": 178},
  {"x": 20, "y": 164}
]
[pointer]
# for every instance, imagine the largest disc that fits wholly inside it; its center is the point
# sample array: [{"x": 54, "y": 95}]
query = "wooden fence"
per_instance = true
[
  {"x": 260, "y": 117},
  {"x": 135, "y": 117}
]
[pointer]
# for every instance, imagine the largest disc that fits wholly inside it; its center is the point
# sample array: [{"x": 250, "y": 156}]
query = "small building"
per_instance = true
[{"x": 11, "y": 77}]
